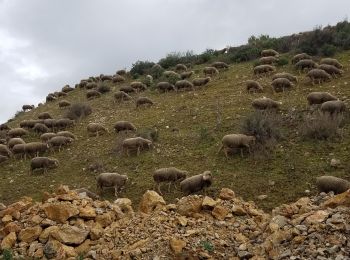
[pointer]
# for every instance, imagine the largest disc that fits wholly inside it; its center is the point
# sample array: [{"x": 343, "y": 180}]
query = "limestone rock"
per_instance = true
[
  {"x": 208, "y": 203},
  {"x": 342, "y": 199},
  {"x": 9, "y": 241},
  {"x": 125, "y": 205},
  {"x": 187, "y": 206},
  {"x": 316, "y": 218},
  {"x": 87, "y": 212},
  {"x": 70, "y": 235},
  {"x": 30, "y": 234},
  {"x": 220, "y": 212},
  {"x": 60, "y": 212},
  {"x": 177, "y": 245},
  {"x": 151, "y": 201},
  {"x": 44, "y": 236},
  {"x": 226, "y": 194}
]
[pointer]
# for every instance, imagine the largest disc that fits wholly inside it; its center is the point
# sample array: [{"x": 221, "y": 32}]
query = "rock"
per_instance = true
[
  {"x": 17, "y": 207},
  {"x": 70, "y": 235},
  {"x": 84, "y": 247},
  {"x": 244, "y": 255},
  {"x": 60, "y": 212},
  {"x": 220, "y": 212},
  {"x": 238, "y": 210},
  {"x": 261, "y": 197},
  {"x": 208, "y": 203},
  {"x": 6, "y": 219},
  {"x": 342, "y": 199},
  {"x": 316, "y": 218},
  {"x": 2, "y": 206},
  {"x": 9, "y": 241},
  {"x": 125, "y": 205},
  {"x": 44, "y": 236},
  {"x": 177, "y": 245},
  {"x": 105, "y": 219},
  {"x": 62, "y": 189},
  {"x": 226, "y": 194},
  {"x": 151, "y": 201},
  {"x": 10, "y": 227},
  {"x": 30, "y": 234},
  {"x": 182, "y": 220},
  {"x": 96, "y": 232},
  {"x": 87, "y": 212},
  {"x": 187, "y": 206},
  {"x": 335, "y": 163},
  {"x": 277, "y": 222}
]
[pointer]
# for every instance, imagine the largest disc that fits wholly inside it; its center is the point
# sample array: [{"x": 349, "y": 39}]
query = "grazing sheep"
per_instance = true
[
  {"x": 44, "y": 115},
  {"x": 63, "y": 103},
  {"x": 17, "y": 132},
  {"x": 285, "y": 75},
  {"x": 35, "y": 148},
  {"x": 318, "y": 75},
  {"x": 47, "y": 136},
  {"x": 135, "y": 143},
  {"x": 269, "y": 52},
  {"x": 330, "y": 69},
  {"x": 111, "y": 179},
  {"x": 50, "y": 98},
  {"x": 170, "y": 175},
  {"x": 139, "y": 86},
  {"x": 219, "y": 65},
  {"x": 121, "y": 72},
  {"x": 63, "y": 123},
  {"x": 186, "y": 74},
  {"x": 210, "y": 71},
  {"x": 40, "y": 128},
  {"x": 59, "y": 141},
  {"x": 121, "y": 96},
  {"x": 315, "y": 98},
  {"x": 117, "y": 78},
  {"x": 51, "y": 123},
  {"x": 83, "y": 84},
  {"x": 170, "y": 73},
  {"x": 183, "y": 84},
  {"x": 165, "y": 86},
  {"x": 96, "y": 129},
  {"x": 19, "y": 149},
  {"x": 143, "y": 101},
  {"x": 196, "y": 183},
  {"x": 201, "y": 81},
  {"x": 263, "y": 69},
  {"x": 4, "y": 127},
  {"x": 280, "y": 84},
  {"x": 265, "y": 103},
  {"x": 13, "y": 141},
  {"x": 67, "y": 134},
  {"x": 128, "y": 89},
  {"x": 268, "y": 60},
  {"x": 180, "y": 67},
  {"x": 305, "y": 64},
  {"x": 43, "y": 163},
  {"x": 331, "y": 61},
  {"x": 30, "y": 123},
  {"x": 3, "y": 159},
  {"x": 300, "y": 56},
  {"x": 331, "y": 183},
  {"x": 333, "y": 107},
  {"x": 27, "y": 107},
  {"x": 91, "y": 85},
  {"x": 124, "y": 126},
  {"x": 5, "y": 151},
  {"x": 254, "y": 86},
  {"x": 67, "y": 89},
  {"x": 105, "y": 77},
  {"x": 62, "y": 94},
  {"x": 91, "y": 94},
  {"x": 233, "y": 141}
]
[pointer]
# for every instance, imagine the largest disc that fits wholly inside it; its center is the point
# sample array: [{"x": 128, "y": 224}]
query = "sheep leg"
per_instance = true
[
  {"x": 138, "y": 150},
  {"x": 169, "y": 186},
  {"x": 159, "y": 188},
  {"x": 241, "y": 152},
  {"x": 225, "y": 151},
  {"x": 116, "y": 191}
]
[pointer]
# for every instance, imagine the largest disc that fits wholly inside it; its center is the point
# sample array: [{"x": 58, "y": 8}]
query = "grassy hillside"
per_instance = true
[{"x": 189, "y": 138}]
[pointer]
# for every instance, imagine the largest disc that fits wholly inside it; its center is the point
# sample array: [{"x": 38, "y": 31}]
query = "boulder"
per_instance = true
[
  {"x": 151, "y": 201},
  {"x": 60, "y": 212}
]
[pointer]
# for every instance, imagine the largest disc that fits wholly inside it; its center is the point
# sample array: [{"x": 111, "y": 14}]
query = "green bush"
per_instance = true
[
  {"x": 328, "y": 50},
  {"x": 282, "y": 61},
  {"x": 7, "y": 254},
  {"x": 141, "y": 68}
]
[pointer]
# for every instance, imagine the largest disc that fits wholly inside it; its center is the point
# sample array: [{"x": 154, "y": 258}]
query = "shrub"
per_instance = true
[
  {"x": 208, "y": 246},
  {"x": 156, "y": 72},
  {"x": 205, "y": 134},
  {"x": 7, "y": 254},
  {"x": 103, "y": 89},
  {"x": 328, "y": 50},
  {"x": 149, "y": 133},
  {"x": 282, "y": 61},
  {"x": 141, "y": 68},
  {"x": 78, "y": 110}
]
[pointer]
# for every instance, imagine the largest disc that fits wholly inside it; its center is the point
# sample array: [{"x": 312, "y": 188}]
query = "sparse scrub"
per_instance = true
[
  {"x": 78, "y": 111},
  {"x": 103, "y": 89},
  {"x": 282, "y": 61},
  {"x": 148, "y": 133},
  {"x": 328, "y": 50}
]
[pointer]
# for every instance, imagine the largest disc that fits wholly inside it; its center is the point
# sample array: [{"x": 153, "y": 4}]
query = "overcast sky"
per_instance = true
[{"x": 46, "y": 44}]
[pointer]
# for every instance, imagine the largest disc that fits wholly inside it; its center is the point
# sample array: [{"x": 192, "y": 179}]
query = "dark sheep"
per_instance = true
[
  {"x": 4, "y": 127},
  {"x": 106, "y": 77},
  {"x": 27, "y": 107},
  {"x": 44, "y": 115},
  {"x": 67, "y": 89},
  {"x": 50, "y": 98},
  {"x": 201, "y": 81},
  {"x": 51, "y": 123},
  {"x": 331, "y": 183},
  {"x": 64, "y": 103},
  {"x": 165, "y": 86},
  {"x": 124, "y": 126},
  {"x": 170, "y": 175},
  {"x": 117, "y": 79},
  {"x": 333, "y": 107},
  {"x": 143, "y": 101},
  {"x": 121, "y": 72},
  {"x": 91, "y": 94},
  {"x": 253, "y": 86},
  {"x": 196, "y": 183},
  {"x": 315, "y": 98},
  {"x": 111, "y": 180},
  {"x": 43, "y": 163},
  {"x": 91, "y": 85},
  {"x": 63, "y": 123},
  {"x": 40, "y": 128},
  {"x": 184, "y": 84},
  {"x": 62, "y": 94},
  {"x": 128, "y": 89}
]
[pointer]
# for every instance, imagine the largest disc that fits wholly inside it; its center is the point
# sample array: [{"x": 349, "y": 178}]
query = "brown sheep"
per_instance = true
[
  {"x": 111, "y": 180},
  {"x": 331, "y": 70},
  {"x": 300, "y": 56},
  {"x": 170, "y": 175},
  {"x": 331, "y": 61},
  {"x": 50, "y": 98},
  {"x": 105, "y": 77},
  {"x": 315, "y": 98},
  {"x": 62, "y": 94},
  {"x": 121, "y": 96},
  {"x": 210, "y": 71},
  {"x": 253, "y": 86},
  {"x": 128, "y": 89},
  {"x": 333, "y": 107},
  {"x": 5, "y": 151},
  {"x": 40, "y": 128},
  {"x": 35, "y": 148},
  {"x": 305, "y": 64},
  {"x": 83, "y": 84},
  {"x": 4, "y": 127},
  {"x": 91, "y": 94},
  {"x": 51, "y": 123},
  {"x": 27, "y": 107},
  {"x": 143, "y": 101},
  {"x": 96, "y": 129},
  {"x": 91, "y": 85},
  {"x": 331, "y": 183},
  {"x": 19, "y": 149},
  {"x": 265, "y": 103},
  {"x": 219, "y": 65},
  {"x": 67, "y": 89},
  {"x": 318, "y": 75},
  {"x": 196, "y": 183},
  {"x": 180, "y": 67},
  {"x": 63, "y": 123},
  {"x": 67, "y": 134},
  {"x": 165, "y": 86},
  {"x": 13, "y": 141},
  {"x": 47, "y": 136},
  {"x": 186, "y": 74},
  {"x": 43, "y": 163},
  {"x": 280, "y": 84},
  {"x": 121, "y": 72},
  {"x": 117, "y": 78},
  {"x": 44, "y": 115},
  {"x": 233, "y": 141},
  {"x": 269, "y": 52},
  {"x": 268, "y": 60},
  {"x": 135, "y": 143},
  {"x": 183, "y": 84},
  {"x": 59, "y": 141},
  {"x": 30, "y": 123},
  {"x": 139, "y": 86},
  {"x": 17, "y": 132},
  {"x": 264, "y": 69},
  {"x": 170, "y": 73},
  {"x": 201, "y": 81},
  {"x": 285, "y": 75},
  {"x": 124, "y": 126},
  {"x": 64, "y": 103}
]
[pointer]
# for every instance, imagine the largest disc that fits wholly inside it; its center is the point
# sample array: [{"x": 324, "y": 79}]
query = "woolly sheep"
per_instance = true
[
  {"x": 285, "y": 75},
  {"x": 196, "y": 183},
  {"x": 4, "y": 127},
  {"x": 51, "y": 123},
  {"x": 93, "y": 94},
  {"x": 300, "y": 56},
  {"x": 201, "y": 81},
  {"x": 59, "y": 141},
  {"x": 268, "y": 60},
  {"x": 5, "y": 151},
  {"x": 127, "y": 89},
  {"x": 210, "y": 71},
  {"x": 139, "y": 86},
  {"x": 135, "y": 143},
  {"x": 27, "y": 107},
  {"x": 263, "y": 69},
  {"x": 111, "y": 179},
  {"x": 219, "y": 65},
  {"x": 318, "y": 75},
  {"x": 180, "y": 67},
  {"x": 62, "y": 94},
  {"x": 233, "y": 141},
  {"x": 19, "y": 149},
  {"x": 143, "y": 101},
  {"x": 83, "y": 84},
  {"x": 330, "y": 69},
  {"x": 91, "y": 85},
  {"x": 331, "y": 183},
  {"x": 106, "y": 77},
  {"x": 305, "y": 64},
  {"x": 156, "y": 67},
  {"x": 50, "y": 98},
  {"x": 170, "y": 73},
  {"x": 96, "y": 129},
  {"x": 17, "y": 132},
  {"x": 30, "y": 123},
  {"x": 186, "y": 74},
  {"x": 124, "y": 126},
  {"x": 280, "y": 84},
  {"x": 43, "y": 163},
  {"x": 63, "y": 123},
  {"x": 47, "y": 136},
  {"x": 64, "y": 103},
  {"x": 117, "y": 78},
  {"x": 183, "y": 84},
  {"x": 333, "y": 107},
  {"x": 44, "y": 115},
  {"x": 170, "y": 175},
  {"x": 13, "y": 141},
  {"x": 121, "y": 96},
  {"x": 66, "y": 134},
  {"x": 265, "y": 103},
  {"x": 165, "y": 86},
  {"x": 319, "y": 97},
  {"x": 331, "y": 61},
  {"x": 40, "y": 128},
  {"x": 67, "y": 89},
  {"x": 269, "y": 52},
  {"x": 3, "y": 141},
  {"x": 35, "y": 148},
  {"x": 121, "y": 72},
  {"x": 253, "y": 86}
]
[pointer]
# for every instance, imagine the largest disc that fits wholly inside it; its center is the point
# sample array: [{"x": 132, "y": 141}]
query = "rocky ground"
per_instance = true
[{"x": 68, "y": 225}]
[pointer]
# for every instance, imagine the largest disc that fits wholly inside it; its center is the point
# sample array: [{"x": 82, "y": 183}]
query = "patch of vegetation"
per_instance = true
[
  {"x": 78, "y": 111},
  {"x": 207, "y": 245},
  {"x": 282, "y": 61},
  {"x": 103, "y": 88},
  {"x": 141, "y": 68},
  {"x": 7, "y": 254}
]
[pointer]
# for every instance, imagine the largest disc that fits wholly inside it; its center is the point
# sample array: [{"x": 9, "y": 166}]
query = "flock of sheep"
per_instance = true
[{"x": 54, "y": 134}]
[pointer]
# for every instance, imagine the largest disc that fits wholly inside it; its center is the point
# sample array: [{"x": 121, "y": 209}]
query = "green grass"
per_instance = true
[{"x": 293, "y": 166}]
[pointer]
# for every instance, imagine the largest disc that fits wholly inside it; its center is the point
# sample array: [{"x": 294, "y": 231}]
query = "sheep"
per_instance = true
[
  {"x": 285, "y": 75},
  {"x": 67, "y": 89},
  {"x": 139, "y": 86},
  {"x": 183, "y": 84},
  {"x": 124, "y": 126},
  {"x": 47, "y": 136},
  {"x": 63, "y": 103},
  {"x": 196, "y": 183},
  {"x": 128, "y": 89},
  {"x": 30, "y": 123},
  {"x": 3, "y": 159},
  {"x": 44, "y": 115},
  {"x": 35, "y": 148},
  {"x": 165, "y": 86},
  {"x": 111, "y": 180},
  {"x": 156, "y": 67},
  {"x": 333, "y": 107},
  {"x": 265, "y": 103},
  {"x": 96, "y": 129},
  {"x": 27, "y": 107},
  {"x": 331, "y": 70},
  {"x": 219, "y": 65},
  {"x": 135, "y": 143},
  {"x": 315, "y": 98},
  {"x": 186, "y": 74},
  {"x": 253, "y": 86},
  {"x": 43, "y": 163},
  {"x": 63, "y": 123},
  {"x": 269, "y": 52},
  {"x": 333, "y": 62},
  {"x": 51, "y": 123},
  {"x": 4, "y": 127},
  {"x": 13, "y": 141},
  {"x": 143, "y": 101},
  {"x": 305, "y": 64},
  {"x": 67, "y": 134},
  {"x": 5, "y": 151},
  {"x": 268, "y": 60},
  {"x": 59, "y": 141},
  {"x": 40, "y": 128},
  {"x": 3, "y": 141},
  {"x": 328, "y": 183},
  {"x": 50, "y": 98},
  {"x": 300, "y": 56},
  {"x": 121, "y": 96},
  {"x": 121, "y": 72},
  {"x": 170, "y": 175},
  {"x": 280, "y": 84},
  {"x": 83, "y": 84},
  {"x": 62, "y": 94},
  {"x": 117, "y": 78},
  {"x": 91, "y": 85},
  {"x": 210, "y": 71},
  {"x": 319, "y": 75},
  {"x": 19, "y": 149},
  {"x": 263, "y": 69},
  {"x": 91, "y": 94},
  {"x": 149, "y": 80},
  {"x": 201, "y": 81},
  {"x": 233, "y": 141},
  {"x": 17, "y": 132},
  {"x": 180, "y": 67},
  {"x": 105, "y": 77}
]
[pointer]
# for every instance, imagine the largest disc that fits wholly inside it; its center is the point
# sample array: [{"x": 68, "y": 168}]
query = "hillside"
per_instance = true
[{"x": 189, "y": 138}]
